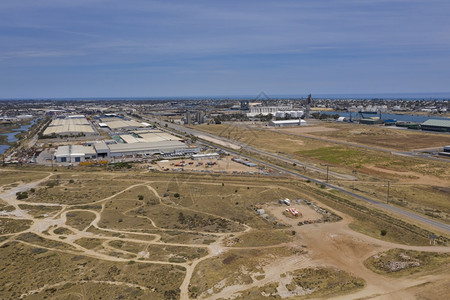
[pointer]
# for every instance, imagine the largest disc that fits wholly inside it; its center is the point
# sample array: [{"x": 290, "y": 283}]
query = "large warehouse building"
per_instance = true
[
  {"x": 161, "y": 147},
  {"x": 148, "y": 136},
  {"x": 148, "y": 142},
  {"x": 282, "y": 123},
  {"x": 265, "y": 110},
  {"x": 118, "y": 124},
  {"x": 72, "y": 125},
  {"x": 436, "y": 125},
  {"x": 74, "y": 154}
]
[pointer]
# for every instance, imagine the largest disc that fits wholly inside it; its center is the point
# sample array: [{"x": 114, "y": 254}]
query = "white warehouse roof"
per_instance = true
[
  {"x": 287, "y": 122},
  {"x": 147, "y": 146}
]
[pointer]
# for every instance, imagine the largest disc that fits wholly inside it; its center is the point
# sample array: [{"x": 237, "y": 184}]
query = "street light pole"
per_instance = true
[{"x": 327, "y": 173}]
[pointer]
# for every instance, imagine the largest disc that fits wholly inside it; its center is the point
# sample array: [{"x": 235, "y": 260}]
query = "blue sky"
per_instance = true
[{"x": 116, "y": 48}]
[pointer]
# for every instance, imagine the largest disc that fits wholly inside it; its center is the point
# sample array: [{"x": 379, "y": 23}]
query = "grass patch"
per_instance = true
[
  {"x": 35, "y": 239},
  {"x": 60, "y": 191},
  {"x": 79, "y": 219},
  {"x": 40, "y": 210},
  {"x": 339, "y": 155},
  {"x": 160, "y": 252},
  {"x": 8, "y": 176},
  {"x": 90, "y": 243},
  {"x": 13, "y": 225},
  {"x": 257, "y": 238},
  {"x": 63, "y": 231}
]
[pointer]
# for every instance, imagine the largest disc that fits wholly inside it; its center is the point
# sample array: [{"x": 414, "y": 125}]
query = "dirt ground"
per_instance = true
[
  {"x": 411, "y": 177},
  {"x": 334, "y": 244},
  {"x": 377, "y": 136},
  {"x": 279, "y": 212},
  {"x": 224, "y": 164},
  {"x": 308, "y": 129},
  {"x": 219, "y": 142}
]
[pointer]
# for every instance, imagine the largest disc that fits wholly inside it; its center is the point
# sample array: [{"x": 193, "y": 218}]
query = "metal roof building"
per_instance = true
[
  {"x": 122, "y": 124},
  {"x": 74, "y": 153},
  {"x": 69, "y": 126},
  {"x": 148, "y": 136},
  {"x": 102, "y": 149},
  {"x": 436, "y": 125},
  {"x": 288, "y": 123},
  {"x": 162, "y": 147},
  {"x": 205, "y": 156}
]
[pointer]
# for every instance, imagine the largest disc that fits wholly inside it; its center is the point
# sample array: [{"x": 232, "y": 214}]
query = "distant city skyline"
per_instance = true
[{"x": 97, "y": 48}]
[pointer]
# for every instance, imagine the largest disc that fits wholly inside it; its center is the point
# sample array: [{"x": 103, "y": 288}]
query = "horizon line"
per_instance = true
[{"x": 384, "y": 95}]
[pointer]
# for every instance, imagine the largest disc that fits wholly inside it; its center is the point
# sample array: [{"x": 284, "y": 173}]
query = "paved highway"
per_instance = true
[{"x": 413, "y": 216}]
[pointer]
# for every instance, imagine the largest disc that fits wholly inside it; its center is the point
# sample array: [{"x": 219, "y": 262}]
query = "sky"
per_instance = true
[{"x": 146, "y": 48}]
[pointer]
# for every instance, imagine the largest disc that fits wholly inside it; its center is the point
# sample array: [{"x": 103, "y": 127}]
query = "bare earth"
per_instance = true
[
  {"x": 221, "y": 165},
  {"x": 411, "y": 177}
]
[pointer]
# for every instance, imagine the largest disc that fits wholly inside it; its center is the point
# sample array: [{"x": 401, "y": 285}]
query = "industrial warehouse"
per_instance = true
[
  {"x": 117, "y": 124},
  {"x": 74, "y": 153},
  {"x": 70, "y": 126},
  {"x": 146, "y": 143},
  {"x": 436, "y": 125},
  {"x": 283, "y": 123}
]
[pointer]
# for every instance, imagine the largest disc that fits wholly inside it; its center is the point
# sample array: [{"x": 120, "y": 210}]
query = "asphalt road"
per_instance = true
[{"x": 413, "y": 216}]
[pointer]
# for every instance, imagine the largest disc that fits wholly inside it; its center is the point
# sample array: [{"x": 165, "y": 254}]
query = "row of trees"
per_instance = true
[{"x": 323, "y": 116}]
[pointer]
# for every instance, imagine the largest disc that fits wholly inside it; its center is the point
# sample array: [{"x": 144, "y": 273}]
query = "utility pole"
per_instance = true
[
  {"x": 387, "y": 197},
  {"x": 327, "y": 170}
]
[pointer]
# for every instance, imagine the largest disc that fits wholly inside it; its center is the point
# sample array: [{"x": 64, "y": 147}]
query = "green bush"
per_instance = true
[{"x": 21, "y": 195}]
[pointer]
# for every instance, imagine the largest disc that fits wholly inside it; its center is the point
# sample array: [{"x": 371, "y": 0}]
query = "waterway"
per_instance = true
[
  {"x": 11, "y": 136},
  {"x": 398, "y": 117}
]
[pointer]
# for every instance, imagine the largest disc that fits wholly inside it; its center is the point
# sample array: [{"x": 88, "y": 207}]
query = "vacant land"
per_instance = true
[
  {"x": 10, "y": 177},
  {"x": 147, "y": 235},
  {"x": 62, "y": 272},
  {"x": 74, "y": 191},
  {"x": 382, "y": 136},
  {"x": 223, "y": 164},
  {"x": 372, "y": 168}
]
